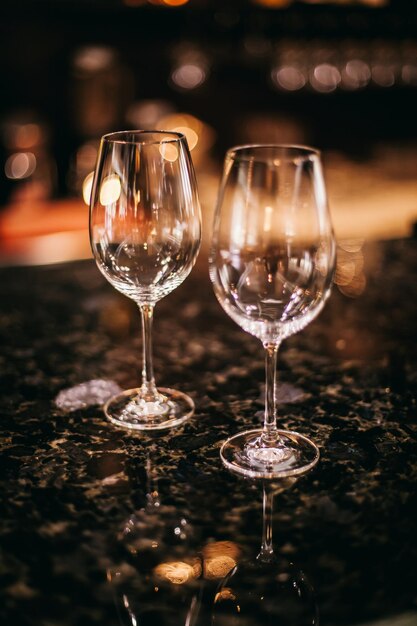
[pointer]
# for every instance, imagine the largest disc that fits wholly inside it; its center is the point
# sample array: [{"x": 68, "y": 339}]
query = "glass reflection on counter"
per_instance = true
[
  {"x": 265, "y": 589},
  {"x": 157, "y": 579}
]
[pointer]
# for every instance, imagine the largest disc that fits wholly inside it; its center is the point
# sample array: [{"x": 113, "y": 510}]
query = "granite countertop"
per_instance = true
[{"x": 84, "y": 504}]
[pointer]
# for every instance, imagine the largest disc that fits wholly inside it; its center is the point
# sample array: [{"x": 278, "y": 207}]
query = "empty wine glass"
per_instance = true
[
  {"x": 145, "y": 231},
  {"x": 271, "y": 263}
]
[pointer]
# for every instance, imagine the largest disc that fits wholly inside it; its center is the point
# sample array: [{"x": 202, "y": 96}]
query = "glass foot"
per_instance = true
[
  {"x": 246, "y": 453},
  {"x": 130, "y": 410}
]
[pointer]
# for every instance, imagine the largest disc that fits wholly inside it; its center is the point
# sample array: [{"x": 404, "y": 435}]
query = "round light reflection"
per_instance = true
[
  {"x": 87, "y": 186},
  {"x": 20, "y": 165},
  {"x": 190, "y": 134},
  {"x": 383, "y": 75},
  {"x": 110, "y": 190},
  {"x": 289, "y": 78},
  {"x": 325, "y": 78},
  {"x": 169, "y": 151},
  {"x": 188, "y": 76},
  {"x": 356, "y": 74}
]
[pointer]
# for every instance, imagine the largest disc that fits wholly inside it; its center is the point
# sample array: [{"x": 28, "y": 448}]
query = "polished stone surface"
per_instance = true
[{"x": 83, "y": 544}]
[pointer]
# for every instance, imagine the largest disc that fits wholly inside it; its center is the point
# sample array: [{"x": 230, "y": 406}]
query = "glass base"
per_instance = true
[
  {"x": 130, "y": 410},
  {"x": 246, "y": 453}
]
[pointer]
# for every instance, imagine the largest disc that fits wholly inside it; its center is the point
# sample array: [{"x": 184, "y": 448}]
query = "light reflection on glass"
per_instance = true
[
  {"x": 110, "y": 190},
  {"x": 199, "y": 135},
  {"x": 169, "y": 152},
  {"x": 191, "y": 135},
  {"x": 219, "y": 558},
  {"x": 178, "y": 572}
]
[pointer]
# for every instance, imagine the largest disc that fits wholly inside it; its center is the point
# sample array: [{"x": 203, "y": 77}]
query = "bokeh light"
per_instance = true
[
  {"x": 178, "y": 572},
  {"x": 349, "y": 275},
  {"x": 356, "y": 74},
  {"x": 20, "y": 165},
  {"x": 288, "y": 77},
  {"x": 188, "y": 75},
  {"x": 110, "y": 190},
  {"x": 87, "y": 186},
  {"x": 168, "y": 151},
  {"x": 325, "y": 78},
  {"x": 190, "y": 134},
  {"x": 174, "y": 3}
]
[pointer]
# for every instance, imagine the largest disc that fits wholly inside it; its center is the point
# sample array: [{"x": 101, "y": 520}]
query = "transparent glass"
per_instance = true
[
  {"x": 271, "y": 263},
  {"x": 145, "y": 231}
]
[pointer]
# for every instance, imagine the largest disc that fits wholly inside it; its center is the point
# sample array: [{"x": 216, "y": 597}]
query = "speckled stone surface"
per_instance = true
[{"x": 70, "y": 481}]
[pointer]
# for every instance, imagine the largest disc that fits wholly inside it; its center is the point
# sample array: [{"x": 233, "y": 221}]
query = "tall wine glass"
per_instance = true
[
  {"x": 271, "y": 264},
  {"x": 145, "y": 231}
]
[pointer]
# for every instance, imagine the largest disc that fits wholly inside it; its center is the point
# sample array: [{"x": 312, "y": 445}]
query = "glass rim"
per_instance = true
[
  {"x": 296, "y": 151},
  {"x": 127, "y": 137}
]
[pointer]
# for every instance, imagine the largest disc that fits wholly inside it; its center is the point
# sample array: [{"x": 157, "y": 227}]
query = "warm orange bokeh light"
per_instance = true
[
  {"x": 273, "y": 4},
  {"x": 174, "y": 3}
]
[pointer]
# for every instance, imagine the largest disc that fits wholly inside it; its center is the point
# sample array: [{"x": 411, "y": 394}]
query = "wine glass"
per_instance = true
[
  {"x": 145, "y": 231},
  {"x": 267, "y": 589},
  {"x": 271, "y": 263}
]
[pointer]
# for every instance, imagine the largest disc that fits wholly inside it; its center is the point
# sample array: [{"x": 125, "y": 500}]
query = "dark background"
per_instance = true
[{"x": 239, "y": 40}]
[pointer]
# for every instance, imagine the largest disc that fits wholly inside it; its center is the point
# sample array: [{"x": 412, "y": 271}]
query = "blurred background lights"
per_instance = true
[
  {"x": 383, "y": 75},
  {"x": 174, "y": 3},
  {"x": 200, "y": 136},
  {"x": 256, "y": 45},
  {"x": 20, "y": 165},
  {"x": 169, "y": 151},
  {"x": 82, "y": 165},
  {"x": 325, "y": 78},
  {"x": 188, "y": 76},
  {"x": 147, "y": 113},
  {"x": 409, "y": 74},
  {"x": 289, "y": 78},
  {"x": 110, "y": 190},
  {"x": 349, "y": 276},
  {"x": 190, "y": 67},
  {"x": 273, "y": 4},
  {"x": 190, "y": 134},
  {"x": 93, "y": 58},
  {"x": 356, "y": 74},
  {"x": 86, "y": 156},
  {"x": 27, "y": 135},
  {"x": 87, "y": 186}
]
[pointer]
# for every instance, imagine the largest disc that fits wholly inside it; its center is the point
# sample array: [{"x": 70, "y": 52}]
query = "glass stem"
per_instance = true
[
  {"x": 269, "y": 435},
  {"x": 266, "y": 554},
  {"x": 149, "y": 391}
]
